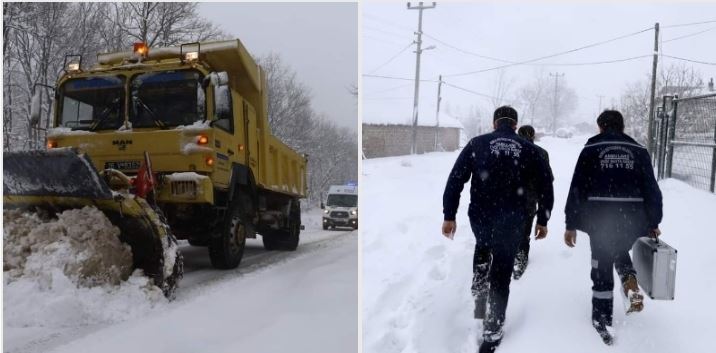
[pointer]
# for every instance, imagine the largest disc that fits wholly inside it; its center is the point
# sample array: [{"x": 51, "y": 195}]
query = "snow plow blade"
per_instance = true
[{"x": 57, "y": 180}]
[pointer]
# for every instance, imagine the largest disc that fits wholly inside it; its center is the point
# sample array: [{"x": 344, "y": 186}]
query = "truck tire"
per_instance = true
[
  {"x": 325, "y": 227},
  {"x": 286, "y": 239},
  {"x": 227, "y": 247},
  {"x": 171, "y": 282}
]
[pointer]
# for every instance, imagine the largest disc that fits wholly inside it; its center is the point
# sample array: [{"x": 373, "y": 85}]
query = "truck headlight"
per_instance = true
[
  {"x": 325, "y": 211},
  {"x": 354, "y": 212}
]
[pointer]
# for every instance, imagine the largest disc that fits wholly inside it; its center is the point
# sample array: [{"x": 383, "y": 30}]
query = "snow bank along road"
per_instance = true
[
  {"x": 416, "y": 282},
  {"x": 303, "y": 301}
]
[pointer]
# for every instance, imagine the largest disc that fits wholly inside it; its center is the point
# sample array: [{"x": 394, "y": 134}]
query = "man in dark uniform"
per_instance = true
[
  {"x": 502, "y": 165},
  {"x": 614, "y": 198},
  {"x": 528, "y": 132}
]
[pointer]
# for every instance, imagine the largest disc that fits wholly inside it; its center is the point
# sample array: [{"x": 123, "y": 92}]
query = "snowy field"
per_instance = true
[
  {"x": 303, "y": 301},
  {"x": 416, "y": 282}
]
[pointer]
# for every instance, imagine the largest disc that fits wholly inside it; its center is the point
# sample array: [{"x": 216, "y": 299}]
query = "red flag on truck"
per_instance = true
[{"x": 144, "y": 182}]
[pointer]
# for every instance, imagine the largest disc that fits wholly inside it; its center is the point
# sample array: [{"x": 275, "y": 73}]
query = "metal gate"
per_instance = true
[{"x": 686, "y": 140}]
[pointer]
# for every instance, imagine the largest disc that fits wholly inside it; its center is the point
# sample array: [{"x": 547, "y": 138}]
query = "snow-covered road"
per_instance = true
[
  {"x": 416, "y": 282},
  {"x": 274, "y": 302}
]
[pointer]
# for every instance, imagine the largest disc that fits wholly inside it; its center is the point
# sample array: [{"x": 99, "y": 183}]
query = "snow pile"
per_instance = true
[
  {"x": 197, "y": 126},
  {"x": 66, "y": 131},
  {"x": 191, "y": 148},
  {"x": 83, "y": 243},
  {"x": 187, "y": 176},
  {"x": 416, "y": 283},
  {"x": 69, "y": 271}
]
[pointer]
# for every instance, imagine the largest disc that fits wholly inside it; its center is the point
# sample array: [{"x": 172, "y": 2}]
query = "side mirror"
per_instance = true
[
  {"x": 323, "y": 206},
  {"x": 35, "y": 108}
]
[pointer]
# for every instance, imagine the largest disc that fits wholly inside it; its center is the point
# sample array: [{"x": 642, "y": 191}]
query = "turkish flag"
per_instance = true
[{"x": 144, "y": 182}]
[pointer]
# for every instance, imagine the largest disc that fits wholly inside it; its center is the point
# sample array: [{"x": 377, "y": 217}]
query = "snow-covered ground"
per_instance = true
[
  {"x": 303, "y": 301},
  {"x": 416, "y": 283}
]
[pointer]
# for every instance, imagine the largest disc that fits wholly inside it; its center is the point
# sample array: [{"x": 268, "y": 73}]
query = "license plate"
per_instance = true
[{"x": 122, "y": 165}]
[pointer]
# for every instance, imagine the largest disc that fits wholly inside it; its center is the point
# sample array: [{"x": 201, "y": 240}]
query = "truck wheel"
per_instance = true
[
  {"x": 227, "y": 248},
  {"x": 325, "y": 227},
  {"x": 171, "y": 283}
]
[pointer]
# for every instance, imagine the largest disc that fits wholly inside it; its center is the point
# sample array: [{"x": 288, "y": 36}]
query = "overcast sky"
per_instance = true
[
  {"x": 518, "y": 32},
  {"x": 318, "y": 40}
]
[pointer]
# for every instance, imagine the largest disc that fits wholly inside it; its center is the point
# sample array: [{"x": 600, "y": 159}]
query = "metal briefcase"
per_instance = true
[{"x": 655, "y": 265}]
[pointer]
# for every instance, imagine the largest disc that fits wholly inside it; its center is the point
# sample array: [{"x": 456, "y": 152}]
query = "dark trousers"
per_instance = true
[
  {"x": 605, "y": 257},
  {"x": 495, "y": 249},
  {"x": 524, "y": 248}
]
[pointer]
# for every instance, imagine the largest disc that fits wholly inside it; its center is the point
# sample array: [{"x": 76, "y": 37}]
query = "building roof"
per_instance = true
[{"x": 425, "y": 119}]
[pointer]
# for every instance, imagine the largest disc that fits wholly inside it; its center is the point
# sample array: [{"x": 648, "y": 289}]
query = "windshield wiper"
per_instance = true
[
  {"x": 105, "y": 114},
  {"x": 156, "y": 119}
]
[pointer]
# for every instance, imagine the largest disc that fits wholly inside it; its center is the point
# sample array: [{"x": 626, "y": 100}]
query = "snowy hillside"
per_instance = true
[
  {"x": 274, "y": 302},
  {"x": 416, "y": 282}
]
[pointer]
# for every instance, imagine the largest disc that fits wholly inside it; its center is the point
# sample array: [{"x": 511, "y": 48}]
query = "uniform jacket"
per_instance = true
[
  {"x": 531, "y": 191},
  {"x": 502, "y": 166},
  {"x": 614, "y": 187}
]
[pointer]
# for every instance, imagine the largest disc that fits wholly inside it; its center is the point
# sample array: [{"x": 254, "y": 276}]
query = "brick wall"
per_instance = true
[{"x": 395, "y": 140}]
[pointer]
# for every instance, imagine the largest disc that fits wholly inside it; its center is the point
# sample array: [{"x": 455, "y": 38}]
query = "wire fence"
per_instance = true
[{"x": 686, "y": 140}]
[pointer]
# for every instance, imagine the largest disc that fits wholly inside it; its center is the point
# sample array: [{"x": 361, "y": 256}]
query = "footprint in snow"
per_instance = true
[
  {"x": 435, "y": 252},
  {"x": 437, "y": 273}
]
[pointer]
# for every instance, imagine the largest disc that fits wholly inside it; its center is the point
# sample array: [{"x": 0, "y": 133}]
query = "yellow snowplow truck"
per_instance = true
[{"x": 199, "y": 111}]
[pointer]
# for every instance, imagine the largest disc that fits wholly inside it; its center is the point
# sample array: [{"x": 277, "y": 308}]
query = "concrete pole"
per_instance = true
[
  {"x": 418, "y": 51},
  {"x": 651, "y": 141},
  {"x": 437, "y": 113},
  {"x": 554, "y": 103}
]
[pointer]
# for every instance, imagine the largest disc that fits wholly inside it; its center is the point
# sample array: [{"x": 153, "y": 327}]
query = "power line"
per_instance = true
[
  {"x": 392, "y": 88},
  {"x": 391, "y": 59},
  {"x": 467, "y": 51},
  {"x": 483, "y": 95},
  {"x": 535, "y": 64},
  {"x": 396, "y": 78},
  {"x": 385, "y": 98},
  {"x": 689, "y": 24},
  {"x": 552, "y": 55},
  {"x": 689, "y": 60},
  {"x": 596, "y": 62},
  {"x": 689, "y": 35}
]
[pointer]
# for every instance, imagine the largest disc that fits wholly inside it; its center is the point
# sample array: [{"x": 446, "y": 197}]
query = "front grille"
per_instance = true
[
  {"x": 339, "y": 214},
  {"x": 184, "y": 188}
]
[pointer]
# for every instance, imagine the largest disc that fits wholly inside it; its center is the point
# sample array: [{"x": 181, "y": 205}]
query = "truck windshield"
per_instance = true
[
  {"x": 94, "y": 103},
  {"x": 168, "y": 98},
  {"x": 341, "y": 200}
]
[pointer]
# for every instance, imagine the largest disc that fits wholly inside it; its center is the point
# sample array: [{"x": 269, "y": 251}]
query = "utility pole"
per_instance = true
[
  {"x": 651, "y": 141},
  {"x": 418, "y": 51},
  {"x": 600, "y": 104},
  {"x": 437, "y": 113},
  {"x": 556, "y": 75}
]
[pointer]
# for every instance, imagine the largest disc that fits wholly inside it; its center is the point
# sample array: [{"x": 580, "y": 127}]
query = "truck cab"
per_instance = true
[
  {"x": 200, "y": 111},
  {"x": 341, "y": 207}
]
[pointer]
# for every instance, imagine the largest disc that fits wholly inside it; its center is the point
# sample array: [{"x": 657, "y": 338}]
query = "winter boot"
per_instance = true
[
  {"x": 604, "y": 332},
  {"x": 632, "y": 294},
  {"x": 489, "y": 346},
  {"x": 520, "y": 265}
]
